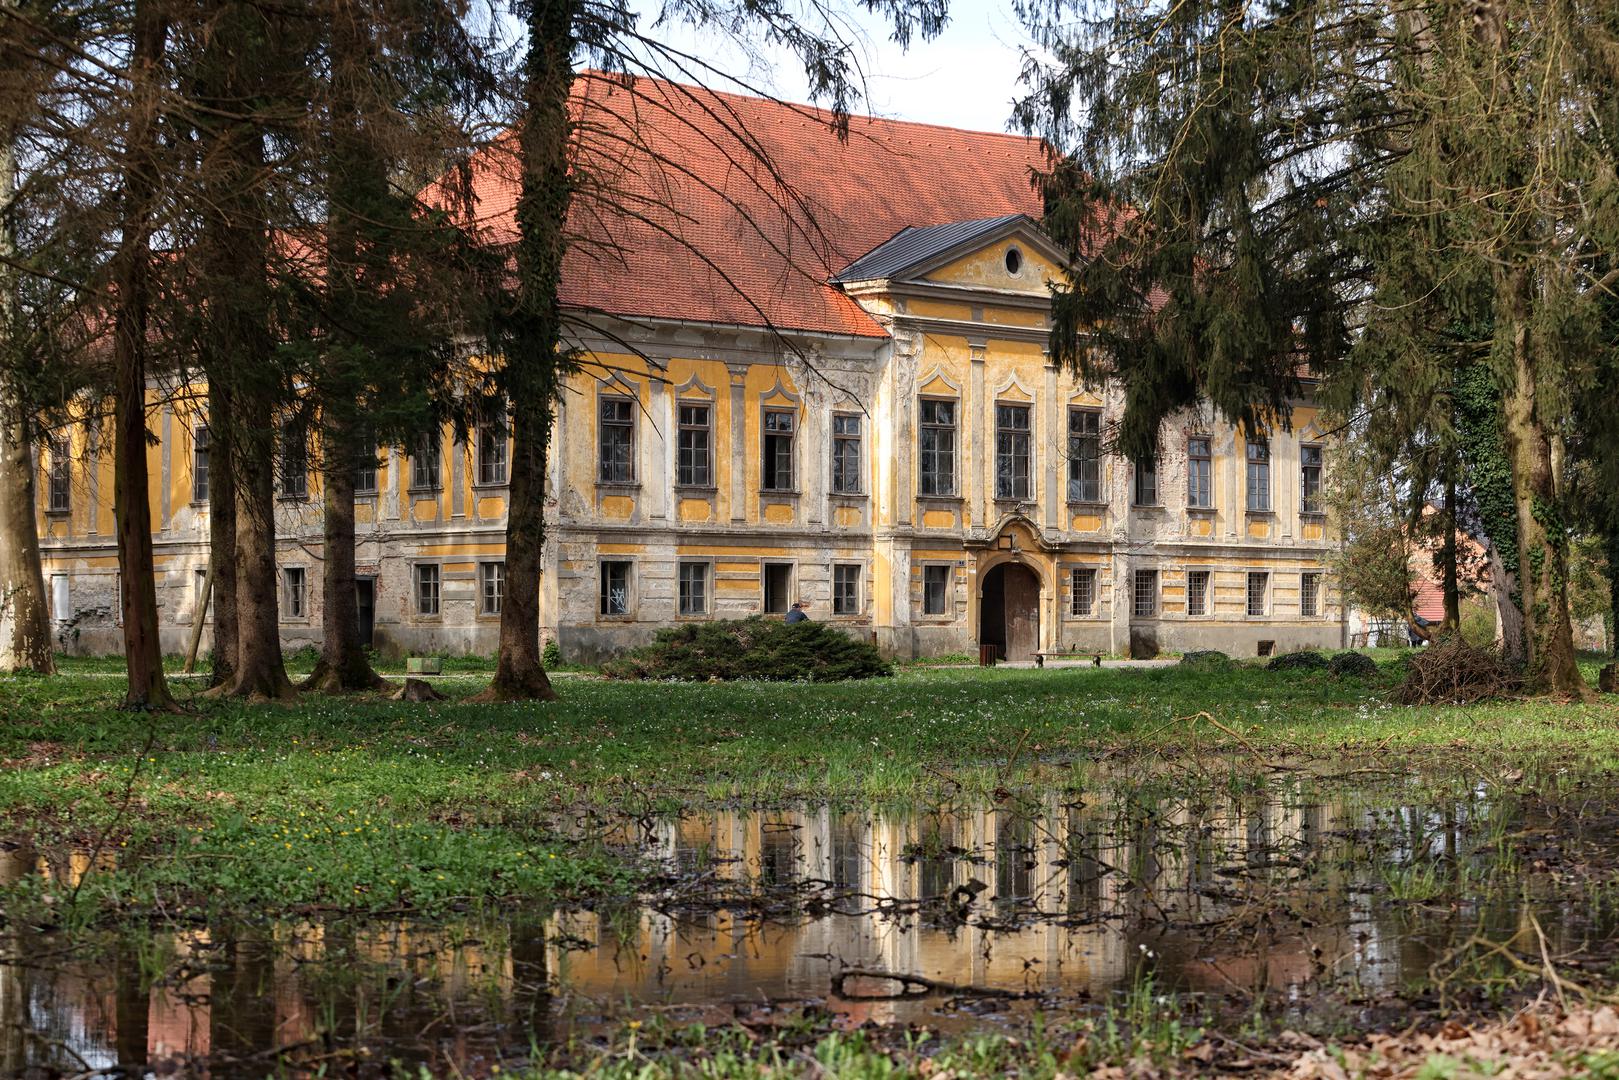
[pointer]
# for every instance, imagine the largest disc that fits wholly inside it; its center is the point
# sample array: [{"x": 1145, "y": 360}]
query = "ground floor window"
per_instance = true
[
  {"x": 1258, "y": 593},
  {"x": 935, "y": 589},
  {"x": 292, "y": 579},
  {"x": 427, "y": 589},
  {"x": 693, "y": 585},
  {"x": 1310, "y": 596},
  {"x": 778, "y": 584},
  {"x": 1145, "y": 597},
  {"x": 491, "y": 586},
  {"x": 1197, "y": 592},
  {"x": 846, "y": 589},
  {"x": 1082, "y": 585},
  {"x": 615, "y": 588}
]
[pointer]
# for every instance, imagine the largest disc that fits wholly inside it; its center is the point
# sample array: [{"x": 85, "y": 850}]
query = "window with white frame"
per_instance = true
[
  {"x": 424, "y": 464},
  {"x": 693, "y": 456},
  {"x": 427, "y": 589},
  {"x": 846, "y": 454},
  {"x": 294, "y": 600},
  {"x": 1144, "y": 598},
  {"x": 1197, "y": 592},
  {"x": 1084, "y": 455},
  {"x": 1199, "y": 473},
  {"x": 1082, "y": 591},
  {"x": 936, "y": 471},
  {"x": 202, "y": 441},
  {"x": 1258, "y": 593},
  {"x": 294, "y": 459},
  {"x": 1310, "y": 595},
  {"x": 491, "y": 587},
  {"x": 846, "y": 589},
  {"x": 615, "y": 587},
  {"x": 1310, "y": 479},
  {"x": 1013, "y": 443},
  {"x": 492, "y": 436},
  {"x": 1258, "y": 477},
  {"x": 935, "y": 589},
  {"x": 693, "y": 588},
  {"x": 616, "y": 440},
  {"x": 780, "y": 427}
]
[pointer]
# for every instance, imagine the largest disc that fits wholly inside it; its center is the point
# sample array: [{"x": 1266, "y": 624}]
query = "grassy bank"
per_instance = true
[{"x": 375, "y": 805}]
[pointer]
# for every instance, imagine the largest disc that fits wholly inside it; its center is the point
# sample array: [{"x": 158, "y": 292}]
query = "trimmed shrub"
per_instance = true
[
  {"x": 1355, "y": 664},
  {"x": 754, "y": 648},
  {"x": 1206, "y": 660},
  {"x": 1298, "y": 661}
]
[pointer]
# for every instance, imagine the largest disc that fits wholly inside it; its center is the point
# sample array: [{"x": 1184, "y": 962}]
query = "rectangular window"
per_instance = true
[
  {"x": 1145, "y": 598},
  {"x": 846, "y": 454},
  {"x": 424, "y": 464},
  {"x": 61, "y": 605},
  {"x": 491, "y": 587},
  {"x": 1082, "y": 586},
  {"x": 1197, "y": 592},
  {"x": 693, "y": 463},
  {"x": 365, "y": 467},
  {"x": 616, "y": 441},
  {"x": 1310, "y": 596},
  {"x": 846, "y": 589},
  {"x": 1199, "y": 473},
  {"x": 294, "y": 460},
  {"x": 492, "y": 449},
  {"x": 427, "y": 589},
  {"x": 202, "y": 441},
  {"x": 1147, "y": 482},
  {"x": 1258, "y": 593},
  {"x": 60, "y": 476},
  {"x": 292, "y": 580},
  {"x": 1310, "y": 479},
  {"x": 935, "y": 590},
  {"x": 777, "y": 474},
  {"x": 778, "y": 587},
  {"x": 1012, "y": 451},
  {"x": 615, "y": 588},
  {"x": 1259, "y": 477},
  {"x": 937, "y": 472},
  {"x": 693, "y": 584},
  {"x": 1084, "y": 455}
]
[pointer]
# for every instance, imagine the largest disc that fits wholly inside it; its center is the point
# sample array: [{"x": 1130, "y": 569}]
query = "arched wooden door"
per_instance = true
[{"x": 1009, "y": 611}]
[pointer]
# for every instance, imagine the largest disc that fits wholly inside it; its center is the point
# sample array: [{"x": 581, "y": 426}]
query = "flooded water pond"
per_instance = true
[{"x": 1326, "y": 900}]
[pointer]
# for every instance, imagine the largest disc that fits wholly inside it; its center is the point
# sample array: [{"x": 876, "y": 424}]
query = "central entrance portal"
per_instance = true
[{"x": 1009, "y": 611}]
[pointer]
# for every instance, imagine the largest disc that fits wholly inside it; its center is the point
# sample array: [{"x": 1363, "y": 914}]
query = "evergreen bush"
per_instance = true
[
  {"x": 1298, "y": 661},
  {"x": 754, "y": 648},
  {"x": 1206, "y": 660},
  {"x": 1358, "y": 665}
]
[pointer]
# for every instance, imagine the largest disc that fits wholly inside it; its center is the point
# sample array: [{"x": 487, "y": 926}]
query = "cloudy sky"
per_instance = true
[{"x": 967, "y": 77}]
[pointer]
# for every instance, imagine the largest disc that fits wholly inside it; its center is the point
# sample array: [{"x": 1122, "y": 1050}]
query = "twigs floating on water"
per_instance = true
[{"x": 915, "y": 986}]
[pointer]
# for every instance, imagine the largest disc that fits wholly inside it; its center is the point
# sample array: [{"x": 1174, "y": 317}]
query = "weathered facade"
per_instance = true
[{"x": 876, "y": 431}]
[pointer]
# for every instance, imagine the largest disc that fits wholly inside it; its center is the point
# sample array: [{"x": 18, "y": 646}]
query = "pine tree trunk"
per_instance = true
[
  {"x": 1613, "y": 589},
  {"x": 1452, "y": 584},
  {"x": 222, "y": 531},
  {"x": 132, "y": 515},
  {"x": 25, "y": 621},
  {"x": 534, "y": 358},
  {"x": 1542, "y": 536},
  {"x": 343, "y": 662},
  {"x": 260, "y": 671}
]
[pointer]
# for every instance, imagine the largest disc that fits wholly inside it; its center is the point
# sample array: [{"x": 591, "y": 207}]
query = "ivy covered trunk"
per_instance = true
[
  {"x": 131, "y": 276},
  {"x": 1542, "y": 534},
  {"x": 533, "y": 342}
]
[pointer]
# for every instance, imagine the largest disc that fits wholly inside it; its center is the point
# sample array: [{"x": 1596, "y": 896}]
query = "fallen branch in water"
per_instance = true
[{"x": 915, "y": 986}]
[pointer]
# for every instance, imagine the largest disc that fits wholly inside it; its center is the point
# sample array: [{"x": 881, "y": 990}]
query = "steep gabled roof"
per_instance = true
[
  {"x": 913, "y": 245},
  {"x": 720, "y": 208}
]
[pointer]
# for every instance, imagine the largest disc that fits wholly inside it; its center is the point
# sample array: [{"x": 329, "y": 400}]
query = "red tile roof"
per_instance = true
[{"x": 680, "y": 216}]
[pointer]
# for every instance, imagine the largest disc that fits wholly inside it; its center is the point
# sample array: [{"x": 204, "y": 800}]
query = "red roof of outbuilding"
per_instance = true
[{"x": 720, "y": 208}]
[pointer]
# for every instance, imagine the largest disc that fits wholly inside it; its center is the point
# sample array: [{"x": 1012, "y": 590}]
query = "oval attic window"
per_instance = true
[{"x": 1014, "y": 261}]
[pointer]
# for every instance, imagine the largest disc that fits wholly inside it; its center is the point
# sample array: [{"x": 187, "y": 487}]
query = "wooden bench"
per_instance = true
[{"x": 1066, "y": 654}]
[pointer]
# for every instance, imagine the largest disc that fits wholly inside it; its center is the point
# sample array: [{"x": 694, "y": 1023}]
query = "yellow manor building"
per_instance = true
[{"x": 826, "y": 381}]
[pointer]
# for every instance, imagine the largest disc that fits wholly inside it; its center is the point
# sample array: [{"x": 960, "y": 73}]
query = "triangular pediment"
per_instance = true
[{"x": 1005, "y": 254}]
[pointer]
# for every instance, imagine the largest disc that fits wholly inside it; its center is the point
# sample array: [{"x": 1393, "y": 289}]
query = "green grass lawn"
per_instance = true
[{"x": 371, "y": 804}]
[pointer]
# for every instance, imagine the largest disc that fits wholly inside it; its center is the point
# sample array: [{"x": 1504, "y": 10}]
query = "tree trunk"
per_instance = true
[
  {"x": 1613, "y": 589},
  {"x": 533, "y": 359},
  {"x": 143, "y": 653},
  {"x": 343, "y": 663},
  {"x": 1447, "y": 558},
  {"x": 25, "y": 621},
  {"x": 1508, "y": 616},
  {"x": 260, "y": 674},
  {"x": 222, "y": 530},
  {"x": 1542, "y": 535}
]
